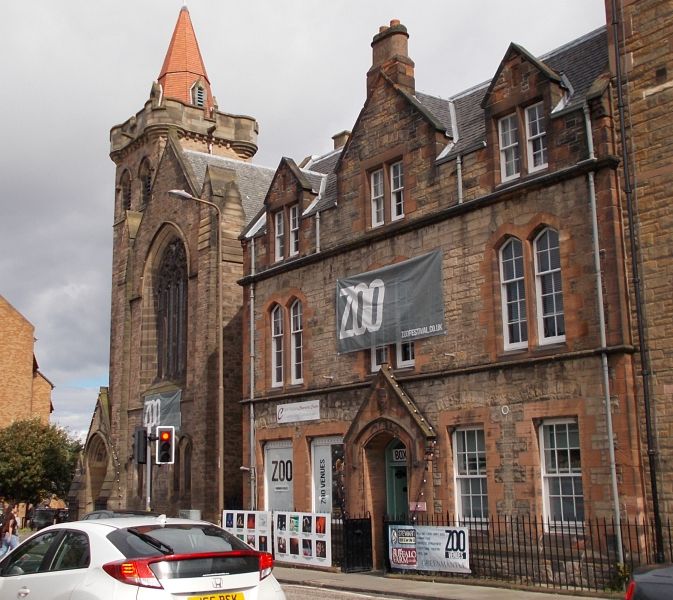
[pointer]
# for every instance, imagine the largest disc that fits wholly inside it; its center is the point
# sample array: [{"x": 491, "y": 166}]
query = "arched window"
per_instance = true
[
  {"x": 145, "y": 176},
  {"x": 513, "y": 292},
  {"x": 297, "y": 341},
  {"x": 125, "y": 190},
  {"x": 171, "y": 303},
  {"x": 277, "y": 346},
  {"x": 551, "y": 322}
]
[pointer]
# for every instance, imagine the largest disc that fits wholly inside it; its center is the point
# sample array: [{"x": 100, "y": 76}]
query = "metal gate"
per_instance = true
[{"x": 357, "y": 544}]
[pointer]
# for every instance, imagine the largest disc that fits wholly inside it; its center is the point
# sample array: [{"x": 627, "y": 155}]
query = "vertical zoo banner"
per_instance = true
[
  {"x": 398, "y": 303},
  {"x": 425, "y": 548},
  {"x": 252, "y": 527},
  {"x": 303, "y": 538}
]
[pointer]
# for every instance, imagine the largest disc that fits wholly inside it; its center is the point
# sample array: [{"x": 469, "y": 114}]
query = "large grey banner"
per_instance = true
[
  {"x": 398, "y": 303},
  {"x": 162, "y": 409}
]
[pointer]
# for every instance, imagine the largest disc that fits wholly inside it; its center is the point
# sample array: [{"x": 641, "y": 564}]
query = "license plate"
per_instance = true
[{"x": 219, "y": 596}]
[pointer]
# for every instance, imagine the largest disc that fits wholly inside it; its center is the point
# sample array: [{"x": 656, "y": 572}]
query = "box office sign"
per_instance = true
[
  {"x": 425, "y": 548},
  {"x": 251, "y": 526},
  {"x": 398, "y": 303}
]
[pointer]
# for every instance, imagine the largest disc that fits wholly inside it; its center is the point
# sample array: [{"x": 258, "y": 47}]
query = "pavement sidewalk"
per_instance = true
[{"x": 394, "y": 586}]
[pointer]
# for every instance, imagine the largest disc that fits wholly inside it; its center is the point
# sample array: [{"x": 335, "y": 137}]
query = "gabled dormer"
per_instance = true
[
  {"x": 518, "y": 105},
  {"x": 291, "y": 192}
]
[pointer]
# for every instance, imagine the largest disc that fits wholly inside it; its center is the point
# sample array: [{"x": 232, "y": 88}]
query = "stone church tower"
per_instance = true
[{"x": 174, "y": 357}]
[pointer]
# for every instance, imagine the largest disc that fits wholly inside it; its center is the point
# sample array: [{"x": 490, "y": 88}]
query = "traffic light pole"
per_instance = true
[{"x": 148, "y": 473}]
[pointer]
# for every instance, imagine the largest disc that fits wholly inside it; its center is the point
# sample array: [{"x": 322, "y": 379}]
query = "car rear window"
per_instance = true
[
  {"x": 202, "y": 567},
  {"x": 140, "y": 541}
]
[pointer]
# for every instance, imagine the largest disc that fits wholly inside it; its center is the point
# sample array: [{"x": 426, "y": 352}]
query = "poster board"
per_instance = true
[
  {"x": 303, "y": 538},
  {"x": 251, "y": 526},
  {"x": 425, "y": 548}
]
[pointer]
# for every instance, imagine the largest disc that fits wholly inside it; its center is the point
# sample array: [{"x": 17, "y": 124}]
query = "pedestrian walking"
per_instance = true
[{"x": 10, "y": 530}]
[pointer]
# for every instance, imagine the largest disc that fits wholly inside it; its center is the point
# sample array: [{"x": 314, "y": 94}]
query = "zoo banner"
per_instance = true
[
  {"x": 303, "y": 538},
  {"x": 253, "y": 527},
  {"x": 162, "y": 409},
  {"x": 425, "y": 548},
  {"x": 398, "y": 303}
]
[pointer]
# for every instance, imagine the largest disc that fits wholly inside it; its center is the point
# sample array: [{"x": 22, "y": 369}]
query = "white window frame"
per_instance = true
[
  {"x": 279, "y": 235},
  {"x": 396, "y": 191},
  {"x": 410, "y": 360},
  {"x": 506, "y": 299},
  {"x": 510, "y": 154},
  {"x": 474, "y": 462},
  {"x": 536, "y": 136},
  {"x": 277, "y": 346},
  {"x": 294, "y": 230},
  {"x": 377, "y": 192},
  {"x": 319, "y": 442},
  {"x": 379, "y": 355},
  {"x": 297, "y": 342},
  {"x": 198, "y": 95},
  {"x": 570, "y": 474},
  {"x": 545, "y": 276}
]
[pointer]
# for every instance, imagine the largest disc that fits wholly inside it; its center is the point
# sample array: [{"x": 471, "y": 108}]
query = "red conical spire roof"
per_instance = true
[{"x": 183, "y": 67}]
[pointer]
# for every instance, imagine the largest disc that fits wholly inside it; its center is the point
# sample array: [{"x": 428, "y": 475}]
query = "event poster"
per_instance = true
[
  {"x": 303, "y": 538},
  {"x": 425, "y": 548},
  {"x": 253, "y": 527}
]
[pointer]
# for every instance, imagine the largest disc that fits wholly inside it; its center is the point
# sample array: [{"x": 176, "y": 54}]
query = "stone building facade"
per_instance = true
[
  {"x": 527, "y": 398},
  {"x": 25, "y": 392},
  {"x": 167, "y": 333}
]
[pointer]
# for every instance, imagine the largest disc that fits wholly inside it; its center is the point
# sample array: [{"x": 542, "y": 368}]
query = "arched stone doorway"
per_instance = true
[
  {"x": 97, "y": 458},
  {"x": 387, "y": 450}
]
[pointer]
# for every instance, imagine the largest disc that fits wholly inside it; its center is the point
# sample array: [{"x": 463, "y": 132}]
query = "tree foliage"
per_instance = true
[{"x": 36, "y": 460}]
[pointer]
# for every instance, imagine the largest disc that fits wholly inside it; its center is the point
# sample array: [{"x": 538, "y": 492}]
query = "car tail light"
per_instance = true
[
  {"x": 134, "y": 572},
  {"x": 265, "y": 564},
  {"x": 630, "y": 591}
]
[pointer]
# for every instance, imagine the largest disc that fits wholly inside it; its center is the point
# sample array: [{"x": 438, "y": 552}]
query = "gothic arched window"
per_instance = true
[
  {"x": 145, "y": 176},
  {"x": 125, "y": 190},
  {"x": 171, "y": 302}
]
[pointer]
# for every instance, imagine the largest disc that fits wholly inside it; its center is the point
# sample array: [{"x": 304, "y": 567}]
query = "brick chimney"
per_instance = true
[{"x": 390, "y": 54}]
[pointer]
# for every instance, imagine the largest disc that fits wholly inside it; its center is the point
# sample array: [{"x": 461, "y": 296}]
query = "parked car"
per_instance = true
[
  {"x": 137, "y": 558},
  {"x": 113, "y": 514},
  {"x": 653, "y": 582},
  {"x": 42, "y": 517}
]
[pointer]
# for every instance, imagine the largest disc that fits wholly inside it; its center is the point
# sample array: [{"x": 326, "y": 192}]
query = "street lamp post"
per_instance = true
[{"x": 220, "y": 349}]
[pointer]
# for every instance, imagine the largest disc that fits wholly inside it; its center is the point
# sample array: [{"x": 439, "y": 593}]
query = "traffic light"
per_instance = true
[
  {"x": 140, "y": 445},
  {"x": 165, "y": 445}
]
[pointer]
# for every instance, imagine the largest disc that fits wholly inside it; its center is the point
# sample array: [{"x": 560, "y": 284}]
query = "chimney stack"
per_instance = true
[
  {"x": 340, "y": 139},
  {"x": 390, "y": 54}
]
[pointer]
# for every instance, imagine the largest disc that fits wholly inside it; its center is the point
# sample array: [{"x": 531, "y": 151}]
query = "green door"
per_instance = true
[{"x": 397, "y": 498}]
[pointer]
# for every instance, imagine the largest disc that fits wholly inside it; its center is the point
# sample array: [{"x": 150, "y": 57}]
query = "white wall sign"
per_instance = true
[
  {"x": 298, "y": 411},
  {"x": 279, "y": 475}
]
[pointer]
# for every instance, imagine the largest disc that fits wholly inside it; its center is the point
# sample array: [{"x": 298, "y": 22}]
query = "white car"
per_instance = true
[{"x": 139, "y": 558}]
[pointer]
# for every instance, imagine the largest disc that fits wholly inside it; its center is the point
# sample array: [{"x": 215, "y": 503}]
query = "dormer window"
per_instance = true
[
  {"x": 510, "y": 163},
  {"x": 279, "y": 220},
  {"x": 377, "y": 197},
  {"x": 294, "y": 230},
  {"x": 537, "y": 137},
  {"x": 397, "y": 190}
]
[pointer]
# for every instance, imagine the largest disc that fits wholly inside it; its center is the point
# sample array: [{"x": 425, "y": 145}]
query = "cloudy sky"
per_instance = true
[{"x": 74, "y": 68}]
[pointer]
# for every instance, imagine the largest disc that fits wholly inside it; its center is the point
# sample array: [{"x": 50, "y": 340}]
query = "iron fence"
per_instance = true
[{"x": 533, "y": 552}]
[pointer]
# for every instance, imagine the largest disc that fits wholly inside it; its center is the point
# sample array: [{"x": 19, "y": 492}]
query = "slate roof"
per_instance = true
[
  {"x": 253, "y": 180},
  {"x": 580, "y": 62}
]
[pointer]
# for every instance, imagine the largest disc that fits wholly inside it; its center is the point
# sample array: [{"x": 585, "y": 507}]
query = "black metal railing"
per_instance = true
[
  {"x": 352, "y": 542},
  {"x": 533, "y": 552}
]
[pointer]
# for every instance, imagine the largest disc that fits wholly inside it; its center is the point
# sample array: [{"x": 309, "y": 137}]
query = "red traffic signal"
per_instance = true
[{"x": 165, "y": 445}]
